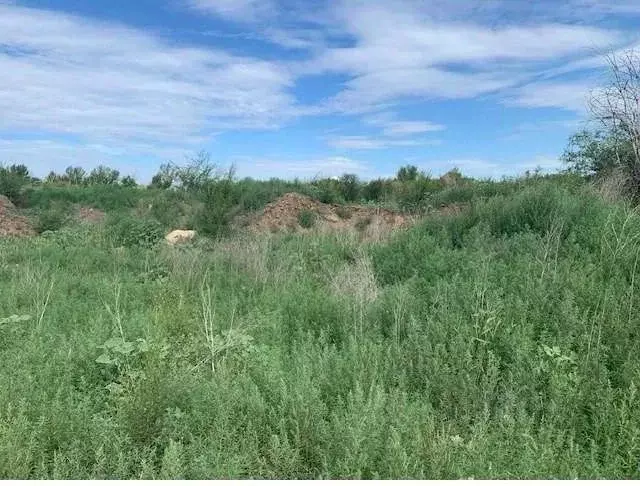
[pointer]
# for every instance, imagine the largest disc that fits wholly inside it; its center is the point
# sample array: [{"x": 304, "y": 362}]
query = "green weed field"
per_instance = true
[{"x": 501, "y": 342}]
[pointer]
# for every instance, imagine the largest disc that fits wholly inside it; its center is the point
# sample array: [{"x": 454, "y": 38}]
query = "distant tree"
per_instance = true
[
  {"x": 198, "y": 171},
  {"x": 128, "y": 181},
  {"x": 349, "y": 187},
  {"x": 103, "y": 175},
  {"x": 374, "y": 190},
  {"x": 407, "y": 173},
  {"x": 19, "y": 170},
  {"x": 165, "y": 177},
  {"x": 12, "y": 180},
  {"x": 75, "y": 175}
]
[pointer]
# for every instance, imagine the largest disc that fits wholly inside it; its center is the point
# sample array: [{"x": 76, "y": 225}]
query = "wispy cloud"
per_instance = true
[
  {"x": 572, "y": 96},
  {"x": 106, "y": 82},
  {"x": 301, "y": 168},
  {"x": 400, "y": 52},
  {"x": 237, "y": 10},
  {"x": 358, "y": 142},
  {"x": 494, "y": 169},
  {"x": 393, "y": 127}
]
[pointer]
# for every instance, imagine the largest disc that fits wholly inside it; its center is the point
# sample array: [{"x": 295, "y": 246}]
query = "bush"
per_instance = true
[
  {"x": 12, "y": 181},
  {"x": 52, "y": 219},
  {"x": 326, "y": 191},
  {"x": 307, "y": 218},
  {"x": 535, "y": 209},
  {"x": 375, "y": 190},
  {"x": 127, "y": 231},
  {"x": 350, "y": 187},
  {"x": 220, "y": 203}
]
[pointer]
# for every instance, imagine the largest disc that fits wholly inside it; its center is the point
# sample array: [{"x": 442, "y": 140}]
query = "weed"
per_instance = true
[
  {"x": 500, "y": 341},
  {"x": 307, "y": 219}
]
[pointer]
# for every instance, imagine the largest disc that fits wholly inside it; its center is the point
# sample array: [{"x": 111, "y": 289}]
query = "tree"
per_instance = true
[
  {"x": 597, "y": 153},
  {"x": 12, "y": 180},
  {"x": 407, "y": 173},
  {"x": 349, "y": 187},
  {"x": 103, "y": 175},
  {"x": 165, "y": 177},
  {"x": 616, "y": 106},
  {"x": 19, "y": 170},
  {"x": 128, "y": 181},
  {"x": 75, "y": 175},
  {"x": 198, "y": 171}
]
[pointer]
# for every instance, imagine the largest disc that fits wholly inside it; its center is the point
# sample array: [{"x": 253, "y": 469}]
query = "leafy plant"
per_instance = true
[
  {"x": 307, "y": 218},
  {"x": 128, "y": 231},
  {"x": 52, "y": 219}
]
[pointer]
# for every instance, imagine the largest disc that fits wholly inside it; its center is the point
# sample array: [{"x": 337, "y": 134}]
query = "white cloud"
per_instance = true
[
  {"x": 113, "y": 84},
  {"x": 568, "y": 95},
  {"x": 400, "y": 52},
  {"x": 237, "y": 10},
  {"x": 494, "y": 169},
  {"x": 357, "y": 142},
  {"x": 392, "y": 127},
  {"x": 401, "y": 128},
  {"x": 300, "y": 168}
]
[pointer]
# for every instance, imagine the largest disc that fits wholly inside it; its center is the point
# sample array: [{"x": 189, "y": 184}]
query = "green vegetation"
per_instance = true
[
  {"x": 500, "y": 340},
  {"x": 307, "y": 219}
]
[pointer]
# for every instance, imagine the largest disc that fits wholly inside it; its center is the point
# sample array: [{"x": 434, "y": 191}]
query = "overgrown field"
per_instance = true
[{"x": 501, "y": 342}]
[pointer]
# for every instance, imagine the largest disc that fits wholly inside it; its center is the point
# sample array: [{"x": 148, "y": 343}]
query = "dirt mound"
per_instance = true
[
  {"x": 11, "y": 223},
  {"x": 284, "y": 214}
]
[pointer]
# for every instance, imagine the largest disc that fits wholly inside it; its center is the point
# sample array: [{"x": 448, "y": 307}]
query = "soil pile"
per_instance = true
[
  {"x": 11, "y": 223},
  {"x": 284, "y": 214}
]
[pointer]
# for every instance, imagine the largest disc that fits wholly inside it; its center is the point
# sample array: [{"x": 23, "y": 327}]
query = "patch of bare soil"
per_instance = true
[
  {"x": 12, "y": 223},
  {"x": 283, "y": 214}
]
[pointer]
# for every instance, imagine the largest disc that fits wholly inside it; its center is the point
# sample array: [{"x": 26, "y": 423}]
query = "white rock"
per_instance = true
[{"x": 180, "y": 236}]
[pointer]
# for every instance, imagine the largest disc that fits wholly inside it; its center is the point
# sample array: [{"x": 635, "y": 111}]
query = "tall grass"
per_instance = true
[{"x": 501, "y": 342}]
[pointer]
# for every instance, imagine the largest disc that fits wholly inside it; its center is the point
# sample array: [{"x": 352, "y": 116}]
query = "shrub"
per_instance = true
[
  {"x": 535, "y": 209},
  {"x": 219, "y": 204},
  {"x": 375, "y": 190},
  {"x": 52, "y": 219},
  {"x": 12, "y": 181},
  {"x": 307, "y": 218},
  {"x": 325, "y": 191},
  {"x": 125, "y": 230},
  {"x": 407, "y": 173},
  {"x": 349, "y": 187}
]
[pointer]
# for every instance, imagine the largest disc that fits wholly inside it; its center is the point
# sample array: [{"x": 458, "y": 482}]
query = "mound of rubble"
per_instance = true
[
  {"x": 11, "y": 223},
  {"x": 284, "y": 214}
]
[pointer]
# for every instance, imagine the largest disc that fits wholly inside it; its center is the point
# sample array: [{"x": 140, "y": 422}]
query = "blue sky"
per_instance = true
[{"x": 293, "y": 88}]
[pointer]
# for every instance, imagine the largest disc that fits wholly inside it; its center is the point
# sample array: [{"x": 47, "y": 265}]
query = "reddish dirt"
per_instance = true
[
  {"x": 283, "y": 213},
  {"x": 90, "y": 215},
  {"x": 11, "y": 223}
]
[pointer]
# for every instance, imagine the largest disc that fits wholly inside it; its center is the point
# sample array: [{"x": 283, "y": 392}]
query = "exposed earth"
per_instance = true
[
  {"x": 12, "y": 223},
  {"x": 284, "y": 214}
]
